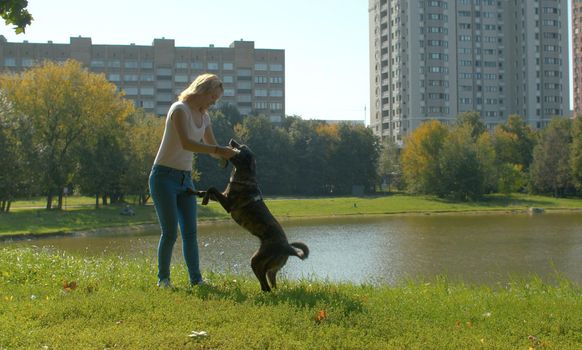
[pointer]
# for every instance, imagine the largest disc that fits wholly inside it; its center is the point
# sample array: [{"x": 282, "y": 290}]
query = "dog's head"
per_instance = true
[{"x": 244, "y": 162}]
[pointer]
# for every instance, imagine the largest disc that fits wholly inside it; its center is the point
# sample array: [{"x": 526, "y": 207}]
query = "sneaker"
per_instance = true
[
  {"x": 165, "y": 283},
  {"x": 198, "y": 283}
]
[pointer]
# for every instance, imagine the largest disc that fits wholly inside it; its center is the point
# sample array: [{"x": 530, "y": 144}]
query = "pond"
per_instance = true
[{"x": 481, "y": 249}]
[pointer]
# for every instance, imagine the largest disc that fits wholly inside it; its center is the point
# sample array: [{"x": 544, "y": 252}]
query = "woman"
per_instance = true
[{"x": 188, "y": 130}]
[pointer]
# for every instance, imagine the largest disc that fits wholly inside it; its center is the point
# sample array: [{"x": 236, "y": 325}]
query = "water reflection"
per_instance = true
[{"x": 473, "y": 248}]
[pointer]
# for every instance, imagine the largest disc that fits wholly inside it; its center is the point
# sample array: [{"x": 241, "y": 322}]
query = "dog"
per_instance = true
[{"x": 242, "y": 198}]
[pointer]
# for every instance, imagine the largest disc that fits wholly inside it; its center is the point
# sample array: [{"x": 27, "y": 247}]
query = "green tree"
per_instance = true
[
  {"x": 551, "y": 167},
  {"x": 467, "y": 166},
  {"x": 231, "y": 113},
  {"x": 101, "y": 166},
  {"x": 209, "y": 170},
  {"x": 144, "y": 133},
  {"x": 308, "y": 156},
  {"x": 473, "y": 121},
  {"x": 355, "y": 158},
  {"x": 389, "y": 164},
  {"x": 421, "y": 158},
  {"x": 64, "y": 104},
  {"x": 514, "y": 142},
  {"x": 15, "y": 12},
  {"x": 272, "y": 147},
  {"x": 576, "y": 152}
]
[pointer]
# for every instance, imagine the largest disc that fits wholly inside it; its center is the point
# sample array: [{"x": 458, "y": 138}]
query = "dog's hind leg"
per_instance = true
[
  {"x": 258, "y": 266},
  {"x": 273, "y": 266},
  {"x": 272, "y": 276}
]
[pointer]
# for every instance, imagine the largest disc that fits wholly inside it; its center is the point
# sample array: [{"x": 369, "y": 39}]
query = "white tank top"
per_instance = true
[{"x": 171, "y": 153}]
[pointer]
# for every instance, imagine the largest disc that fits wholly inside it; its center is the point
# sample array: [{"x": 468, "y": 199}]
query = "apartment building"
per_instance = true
[
  {"x": 434, "y": 59},
  {"x": 153, "y": 76},
  {"x": 577, "y": 55}
]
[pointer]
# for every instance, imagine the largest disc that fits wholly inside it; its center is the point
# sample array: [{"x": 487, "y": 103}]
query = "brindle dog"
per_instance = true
[{"x": 243, "y": 200}]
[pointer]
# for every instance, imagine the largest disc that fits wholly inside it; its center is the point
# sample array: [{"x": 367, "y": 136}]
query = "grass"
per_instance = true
[
  {"x": 26, "y": 218},
  {"x": 50, "y": 300}
]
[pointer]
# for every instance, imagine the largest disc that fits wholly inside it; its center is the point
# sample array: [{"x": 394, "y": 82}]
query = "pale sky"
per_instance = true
[{"x": 325, "y": 41}]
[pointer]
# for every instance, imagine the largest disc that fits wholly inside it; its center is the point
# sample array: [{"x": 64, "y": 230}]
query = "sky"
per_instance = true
[{"x": 325, "y": 41}]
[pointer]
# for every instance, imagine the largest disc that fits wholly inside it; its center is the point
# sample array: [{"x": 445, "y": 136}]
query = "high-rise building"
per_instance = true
[
  {"x": 152, "y": 76},
  {"x": 577, "y": 55},
  {"x": 436, "y": 59}
]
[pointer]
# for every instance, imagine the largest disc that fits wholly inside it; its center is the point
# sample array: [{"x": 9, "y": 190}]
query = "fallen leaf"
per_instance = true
[
  {"x": 69, "y": 286},
  {"x": 321, "y": 315}
]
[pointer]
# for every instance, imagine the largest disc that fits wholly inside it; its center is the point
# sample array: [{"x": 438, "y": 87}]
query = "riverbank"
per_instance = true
[
  {"x": 26, "y": 222},
  {"x": 55, "y": 301}
]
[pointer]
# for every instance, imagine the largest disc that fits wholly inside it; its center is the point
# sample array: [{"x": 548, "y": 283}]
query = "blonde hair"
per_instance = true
[{"x": 204, "y": 83}]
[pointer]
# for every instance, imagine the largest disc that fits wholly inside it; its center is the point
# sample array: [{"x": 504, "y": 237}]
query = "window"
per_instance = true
[
  {"x": 147, "y": 91},
  {"x": 114, "y": 64},
  {"x": 164, "y": 71},
  {"x": 275, "y": 67},
  {"x": 276, "y": 80},
  {"x": 261, "y": 79},
  {"x": 147, "y": 77},
  {"x": 227, "y": 66},
  {"x": 27, "y": 62},
  {"x": 243, "y": 85},
  {"x": 244, "y": 72},
  {"x": 130, "y": 90},
  {"x": 261, "y": 93},
  {"x": 180, "y": 78},
  {"x": 260, "y": 66},
  {"x": 130, "y": 77},
  {"x": 212, "y": 66},
  {"x": 276, "y": 93},
  {"x": 130, "y": 64},
  {"x": 97, "y": 64},
  {"x": 276, "y": 106}
]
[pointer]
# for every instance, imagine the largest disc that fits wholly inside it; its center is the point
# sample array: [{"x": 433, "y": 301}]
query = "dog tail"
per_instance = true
[{"x": 300, "y": 250}]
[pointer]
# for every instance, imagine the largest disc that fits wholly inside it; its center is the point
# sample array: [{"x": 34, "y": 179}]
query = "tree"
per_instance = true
[
  {"x": 355, "y": 158},
  {"x": 15, "y": 12},
  {"x": 144, "y": 132},
  {"x": 64, "y": 105},
  {"x": 420, "y": 158},
  {"x": 514, "y": 142},
  {"x": 209, "y": 171},
  {"x": 272, "y": 147},
  {"x": 231, "y": 113},
  {"x": 473, "y": 121},
  {"x": 551, "y": 167},
  {"x": 389, "y": 163},
  {"x": 467, "y": 166},
  {"x": 576, "y": 152},
  {"x": 308, "y": 156}
]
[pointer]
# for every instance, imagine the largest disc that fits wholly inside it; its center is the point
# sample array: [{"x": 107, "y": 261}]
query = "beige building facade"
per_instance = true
[
  {"x": 153, "y": 76},
  {"x": 434, "y": 59}
]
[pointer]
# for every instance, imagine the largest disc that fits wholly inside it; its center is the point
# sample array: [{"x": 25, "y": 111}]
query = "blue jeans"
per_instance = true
[{"x": 175, "y": 206}]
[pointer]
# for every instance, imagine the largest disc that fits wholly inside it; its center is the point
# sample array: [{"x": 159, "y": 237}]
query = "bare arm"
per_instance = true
[{"x": 209, "y": 146}]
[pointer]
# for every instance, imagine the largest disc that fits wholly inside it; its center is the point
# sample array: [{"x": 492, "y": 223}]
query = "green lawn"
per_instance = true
[
  {"x": 26, "y": 218},
  {"x": 49, "y": 300}
]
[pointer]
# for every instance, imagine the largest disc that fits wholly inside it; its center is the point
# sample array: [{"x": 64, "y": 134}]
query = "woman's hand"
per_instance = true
[{"x": 226, "y": 152}]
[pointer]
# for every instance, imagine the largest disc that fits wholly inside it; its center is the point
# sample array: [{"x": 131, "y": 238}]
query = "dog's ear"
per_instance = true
[{"x": 234, "y": 144}]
